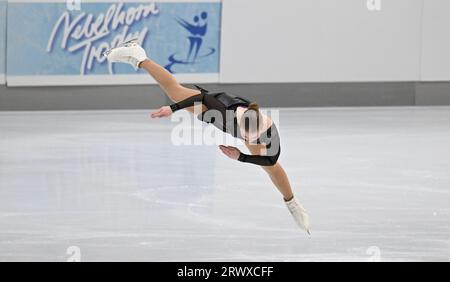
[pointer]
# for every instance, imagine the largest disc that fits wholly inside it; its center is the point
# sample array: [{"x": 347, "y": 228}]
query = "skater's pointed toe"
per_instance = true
[
  {"x": 106, "y": 53},
  {"x": 129, "y": 52}
]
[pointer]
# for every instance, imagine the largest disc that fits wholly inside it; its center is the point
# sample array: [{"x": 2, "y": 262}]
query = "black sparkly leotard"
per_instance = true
[{"x": 225, "y": 104}]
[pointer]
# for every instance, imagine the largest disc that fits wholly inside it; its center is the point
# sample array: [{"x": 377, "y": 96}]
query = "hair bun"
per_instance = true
[{"x": 253, "y": 106}]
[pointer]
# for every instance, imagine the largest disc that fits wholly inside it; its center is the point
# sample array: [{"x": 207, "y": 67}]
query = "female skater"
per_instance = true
[{"x": 245, "y": 121}]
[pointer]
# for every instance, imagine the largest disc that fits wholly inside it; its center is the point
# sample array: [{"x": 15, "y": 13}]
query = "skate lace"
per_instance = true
[{"x": 296, "y": 208}]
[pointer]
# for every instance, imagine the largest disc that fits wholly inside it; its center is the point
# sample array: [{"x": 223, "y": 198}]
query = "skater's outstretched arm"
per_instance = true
[
  {"x": 259, "y": 159},
  {"x": 166, "y": 111}
]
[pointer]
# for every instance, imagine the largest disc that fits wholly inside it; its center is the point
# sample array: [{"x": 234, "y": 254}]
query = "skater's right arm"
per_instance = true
[{"x": 168, "y": 110}]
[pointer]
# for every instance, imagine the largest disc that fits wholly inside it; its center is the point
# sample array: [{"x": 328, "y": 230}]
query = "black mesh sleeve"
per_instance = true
[
  {"x": 260, "y": 160},
  {"x": 189, "y": 102},
  {"x": 272, "y": 140}
]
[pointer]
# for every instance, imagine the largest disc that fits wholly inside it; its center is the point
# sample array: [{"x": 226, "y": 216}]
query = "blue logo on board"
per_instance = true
[{"x": 197, "y": 31}]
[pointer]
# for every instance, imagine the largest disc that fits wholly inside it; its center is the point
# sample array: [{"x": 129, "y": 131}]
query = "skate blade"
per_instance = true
[
  {"x": 125, "y": 44},
  {"x": 129, "y": 43},
  {"x": 107, "y": 52}
]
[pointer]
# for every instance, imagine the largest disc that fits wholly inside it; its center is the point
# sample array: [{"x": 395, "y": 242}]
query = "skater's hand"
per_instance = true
[
  {"x": 162, "y": 112},
  {"x": 231, "y": 152}
]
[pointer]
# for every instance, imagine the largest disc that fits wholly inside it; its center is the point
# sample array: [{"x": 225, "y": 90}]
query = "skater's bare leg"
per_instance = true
[
  {"x": 175, "y": 91},
  {"x": 280, "y": 179},
  {"x": 276, "y": 174}
]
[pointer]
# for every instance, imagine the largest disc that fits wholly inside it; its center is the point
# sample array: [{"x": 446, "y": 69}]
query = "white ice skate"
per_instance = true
[
  {"x": 129, "y": 52},
  {"x": 299, "y": 214}
]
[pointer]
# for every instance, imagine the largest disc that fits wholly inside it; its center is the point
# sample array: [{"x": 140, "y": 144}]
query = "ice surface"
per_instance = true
[{"x": 112, "y": 184}]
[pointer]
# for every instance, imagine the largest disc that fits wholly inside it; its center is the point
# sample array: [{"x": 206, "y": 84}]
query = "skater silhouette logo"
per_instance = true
[{"x": 196, "y": 33}]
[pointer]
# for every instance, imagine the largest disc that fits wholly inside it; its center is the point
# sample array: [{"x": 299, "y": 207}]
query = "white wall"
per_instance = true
[
  {"x": 265, "y": 41},
  {"x": 3, "y": 6},
  {"x": 320, "y": 40},
  {"x": 436, "y": 40},
  {"x": 362, "y": 45}
]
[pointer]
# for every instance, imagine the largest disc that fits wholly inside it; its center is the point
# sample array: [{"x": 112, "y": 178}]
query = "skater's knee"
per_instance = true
[
  {"x": 272, "y": 161},
  {"x": 174, "y": 92},
  {"x": 179, "y": 93}
]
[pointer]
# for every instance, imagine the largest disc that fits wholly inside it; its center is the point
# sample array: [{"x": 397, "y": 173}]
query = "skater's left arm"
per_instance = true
[
  {"x": 259, "y": 155},
  {"x": 265, "y": 151}
]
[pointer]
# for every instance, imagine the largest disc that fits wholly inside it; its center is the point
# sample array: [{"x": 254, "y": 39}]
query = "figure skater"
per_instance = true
[{"x": 246, "y": 122}]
